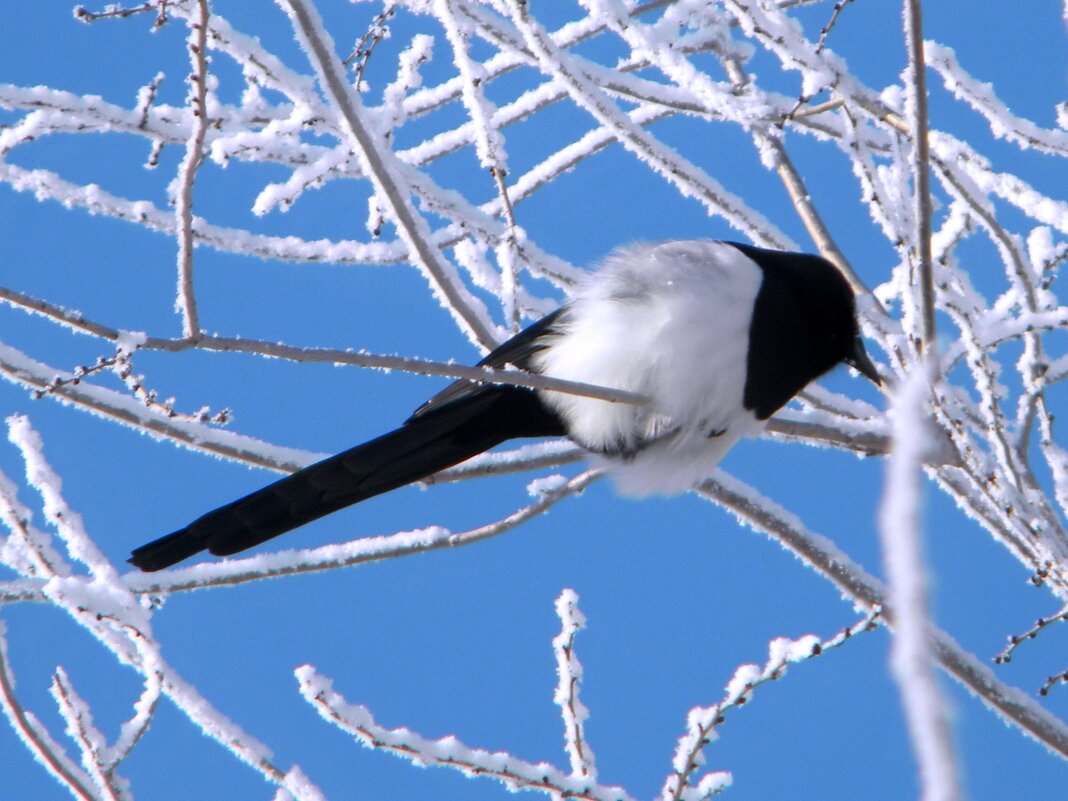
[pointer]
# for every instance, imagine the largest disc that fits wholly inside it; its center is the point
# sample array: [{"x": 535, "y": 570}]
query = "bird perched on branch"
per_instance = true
[{"x": 715, "y": 336}]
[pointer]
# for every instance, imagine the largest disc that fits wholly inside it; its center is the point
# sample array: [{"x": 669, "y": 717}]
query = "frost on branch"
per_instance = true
[
  {"x": 446, "y": 135},
  {"x": 517, "y": 774}
]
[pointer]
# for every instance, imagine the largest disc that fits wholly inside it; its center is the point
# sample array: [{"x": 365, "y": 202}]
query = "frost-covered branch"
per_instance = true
[
  {"x": 355, "y": 552},
  {"x": 90, "y": 740},
  {"x": 194, "y": 155},
  {"x": 916, "y": 105},
  {"x": 688, "y": 178},
  {"x": 448, "y": 752},
  {"x": 911, "y": 657},
  {"x": 823, "y": 556},
  {"x": 968, "y": 234},
  {"x": 702, "y": 722},
  {"x": 1016, "y": 640},
  {"x": 569, "y": 681},
  {"x": 109, "y": 611},
  {"x": 517, "y": 774},
  {"x": 29, "y": 729},
  {"x": 386, "y": 173}
]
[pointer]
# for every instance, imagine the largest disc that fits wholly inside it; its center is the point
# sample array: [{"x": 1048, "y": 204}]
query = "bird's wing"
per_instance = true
[{"x": 517, "y": 351}]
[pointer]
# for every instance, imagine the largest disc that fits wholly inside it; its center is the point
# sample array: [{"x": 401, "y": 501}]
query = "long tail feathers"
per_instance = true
[{"x": 427, "y": 443}]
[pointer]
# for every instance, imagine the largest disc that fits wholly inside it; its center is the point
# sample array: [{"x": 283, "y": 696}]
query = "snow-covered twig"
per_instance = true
[
  {"x": 756, "y": 511},
  {"x": 186, "y": 301},
  {"x": 448, "y": 752},
  {"x": 569, "y": 681},
  {"x": 983, "y": 98},
  {"x": 911, "y": 657},
  {"x": 1016, "y": 640},
  {"x": 46, "y": 750},
  {"x": 382, "y": 167},
  {"x": 90, "y": 740},
  {"x": 702, "y": 722},
  {"x": 489, "y": 146},
  {"x": 110, "y": 612},
  {"x": 687, "y": 177}
]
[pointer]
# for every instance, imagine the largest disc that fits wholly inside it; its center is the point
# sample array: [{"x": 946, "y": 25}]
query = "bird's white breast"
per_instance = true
[{"x": 670, "y": 322}]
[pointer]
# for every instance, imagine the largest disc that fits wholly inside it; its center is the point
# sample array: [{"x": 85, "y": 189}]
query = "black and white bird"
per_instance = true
[{"x": 716, "y": 335}]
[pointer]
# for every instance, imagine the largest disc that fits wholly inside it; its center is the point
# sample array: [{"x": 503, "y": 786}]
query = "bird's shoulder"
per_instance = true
[{"x": 516, "y": 351}]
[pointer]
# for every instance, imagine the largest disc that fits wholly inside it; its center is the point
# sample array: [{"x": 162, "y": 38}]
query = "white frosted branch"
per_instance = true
[
  {"x": 569, "y": 682},
  {"x": 108, "y": 610},
  {"x": 702, "y": 722},
  {"x": 1012, "y": 705},
  {"x": 982, "y": 97},
  {"x": 911, "y": 655},
  {"x": 79, "y": 719},
  {"x": 386, "y": 174},
  {"x": 186, "y": 301},
  {"x": 916, "y": 109},
  {"x": 66, "y": 521},
  {"x": 688, "y": 178},
  {"x": 448, "y": 752},
  {"x": 27, "y": 550},
  {"x": 35, "y": 737}
]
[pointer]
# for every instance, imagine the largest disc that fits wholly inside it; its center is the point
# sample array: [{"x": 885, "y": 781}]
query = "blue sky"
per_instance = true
[{"x": 458, "y": 642}]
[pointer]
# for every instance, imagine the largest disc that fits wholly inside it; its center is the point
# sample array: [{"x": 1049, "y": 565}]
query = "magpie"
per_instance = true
[{"x": 716, "y": 335}]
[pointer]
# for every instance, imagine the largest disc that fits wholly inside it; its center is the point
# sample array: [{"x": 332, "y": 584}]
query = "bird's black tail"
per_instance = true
[{"x": 430, "y": 441}]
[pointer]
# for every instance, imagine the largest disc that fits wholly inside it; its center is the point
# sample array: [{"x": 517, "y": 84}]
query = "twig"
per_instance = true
[
  {"x": 120, "y": 363},
  {"x": 703, "y": 721},
  {"x": 911, "y": 657},
  {"x": 385, "y": 172},
  {"x": 920, "y": 167},
  {"x": 91, "y": 742},
  {"x": 799, "y": 195},
  {"x": 513, "y": 773},
  {"x": 687, "y": 177},
  {"x": 1052, "y": 681},
  {"x": 194, "y": 156},
  {"x": 106, "y": 608},
  {"x": 569, "y": 681},
  {"x": 278, "y": 350},
  {"x": 375, "y": 33},
  {"x": 489, "y": 146},
  {"x": 48, "y": 752},
  {"x": 1011, "y": 704},
  {"x": 119, "y": 12},
  {"x": 825, "y": 31},
  {"x": 1016, "y": 640}
]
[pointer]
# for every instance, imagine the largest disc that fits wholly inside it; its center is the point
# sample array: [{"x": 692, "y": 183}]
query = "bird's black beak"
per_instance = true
[{"x": 859, "y": 361}]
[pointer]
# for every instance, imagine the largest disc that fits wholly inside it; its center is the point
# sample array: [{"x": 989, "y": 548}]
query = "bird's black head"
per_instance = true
[{"x": 804, "y": 323}]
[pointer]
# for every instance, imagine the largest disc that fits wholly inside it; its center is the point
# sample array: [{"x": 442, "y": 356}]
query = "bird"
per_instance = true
[{"x": 716, "y": 336}]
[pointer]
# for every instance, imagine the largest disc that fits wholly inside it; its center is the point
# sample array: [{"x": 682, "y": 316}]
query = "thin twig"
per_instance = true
[
  {"x": 278, "y": 350},
  {"x": 763, "y": 515},
  {"x": 89, "y": 739},
  {"x": 120, "y": 12},
  {"x": 1016, "y": 640},
  {"x": 385, "y": 171},
  {"x": 703, "y": 721},
  {"x": 825, "y": 31},
  {"x": 194, "y": 156},
  {"x": 47, "y": 751},
  {"x": 921, "y": 159},
  {"x": 569, "y": 682}
]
